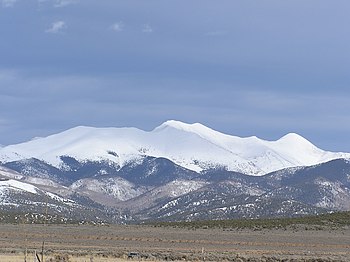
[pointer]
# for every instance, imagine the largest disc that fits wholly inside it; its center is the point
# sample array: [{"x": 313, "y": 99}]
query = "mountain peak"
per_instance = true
[
  {"x": 192, "y": 146},
  {"x": 294, "y": 138},
  {"x": 194, "y": 128},
  {"x": 174, "y": 124}
]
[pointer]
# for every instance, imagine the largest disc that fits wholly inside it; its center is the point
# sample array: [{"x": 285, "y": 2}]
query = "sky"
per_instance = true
[{"x": 242, "y": 67}]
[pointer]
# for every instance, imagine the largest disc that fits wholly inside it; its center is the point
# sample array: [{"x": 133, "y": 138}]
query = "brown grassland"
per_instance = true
[{"x": 78, "y": 243}]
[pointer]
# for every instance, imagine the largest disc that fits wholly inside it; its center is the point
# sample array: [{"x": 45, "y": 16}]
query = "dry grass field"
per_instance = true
[{"x": 83, "y": 243}]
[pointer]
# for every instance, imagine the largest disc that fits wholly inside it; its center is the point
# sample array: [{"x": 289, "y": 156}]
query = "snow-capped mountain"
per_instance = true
[
  {"x": 191, "y": 146},
  {"x": 177, "y": 171},
  {"x": 289, "y": 192},
  {"x": 31, "y": 195},
  {"x": 21, "y": 196}
]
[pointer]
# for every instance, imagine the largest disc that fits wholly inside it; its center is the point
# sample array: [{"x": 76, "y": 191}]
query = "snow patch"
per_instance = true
[
  {"x": 60, "y": 199},
  {"x": 115, "y": 187},
  {"x": 16, "y": 185}
]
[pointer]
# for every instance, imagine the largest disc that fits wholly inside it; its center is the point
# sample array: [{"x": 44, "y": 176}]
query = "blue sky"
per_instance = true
[{"x": 242, "y": 67}]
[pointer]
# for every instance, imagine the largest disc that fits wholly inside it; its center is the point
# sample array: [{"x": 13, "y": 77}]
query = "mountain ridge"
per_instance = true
[
  {"x": 192, "y": 146},
  {"x": 158, "y": 189}
]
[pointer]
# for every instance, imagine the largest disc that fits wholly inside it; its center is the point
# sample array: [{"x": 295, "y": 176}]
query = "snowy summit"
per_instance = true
[{"x": 192, "y": 146}]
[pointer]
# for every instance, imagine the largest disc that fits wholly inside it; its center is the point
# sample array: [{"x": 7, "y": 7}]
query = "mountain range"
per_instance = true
[{"x": 177, "y": 171}]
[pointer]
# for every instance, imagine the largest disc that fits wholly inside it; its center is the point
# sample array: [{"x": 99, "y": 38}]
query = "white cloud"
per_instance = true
[
  {"x": 63, "y": 3},
  {"x": 146, "y": 28},
  {"x": 56, "y": 27},
  {"x": 8, "y": 3},
  {"x": 57, "y": 3},
  {"x": 118, "y": 27}
]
